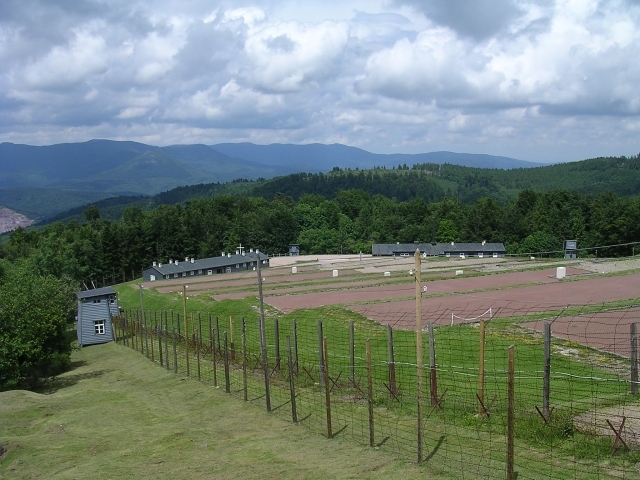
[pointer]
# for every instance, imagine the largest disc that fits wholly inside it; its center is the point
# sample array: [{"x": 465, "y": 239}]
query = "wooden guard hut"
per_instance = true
[{"x": 95, "y": 310}]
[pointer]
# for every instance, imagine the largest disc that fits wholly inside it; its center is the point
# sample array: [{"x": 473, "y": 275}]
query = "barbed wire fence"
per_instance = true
[{"x": 490, "y": 389}]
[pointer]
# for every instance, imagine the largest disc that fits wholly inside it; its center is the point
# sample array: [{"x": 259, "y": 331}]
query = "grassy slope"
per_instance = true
[{"x": 117, "y": 415}]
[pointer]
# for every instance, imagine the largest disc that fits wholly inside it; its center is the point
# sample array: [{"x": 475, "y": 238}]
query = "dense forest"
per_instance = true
[{"x": 101, "y": 250}]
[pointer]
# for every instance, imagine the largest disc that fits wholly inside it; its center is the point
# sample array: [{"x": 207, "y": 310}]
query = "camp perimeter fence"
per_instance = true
[{"x": 506, "y": 393}]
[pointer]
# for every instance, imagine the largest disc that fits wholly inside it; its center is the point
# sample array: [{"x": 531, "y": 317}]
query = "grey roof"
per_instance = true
[
  {"x": 207, "y": 263},
  {"x": 96, "y": 292},
  {"x": 435, "y": 250}
]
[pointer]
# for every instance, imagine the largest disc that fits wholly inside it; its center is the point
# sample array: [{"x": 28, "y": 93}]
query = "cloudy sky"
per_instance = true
[{"x": 542, "y": 80}]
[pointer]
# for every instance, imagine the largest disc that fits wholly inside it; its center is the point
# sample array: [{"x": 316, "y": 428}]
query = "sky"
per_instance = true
[{"x": 538, "y": 80}]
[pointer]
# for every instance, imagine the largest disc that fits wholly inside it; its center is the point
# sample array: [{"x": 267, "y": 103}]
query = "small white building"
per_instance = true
[{"x": 95, "y": 311}]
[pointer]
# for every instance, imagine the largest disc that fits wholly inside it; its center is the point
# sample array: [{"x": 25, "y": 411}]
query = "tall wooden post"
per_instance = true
[
  {"x": 227, "y": 381},
  {"x": 327, "y": 387},
  {"x": 263, "y": 338},
  {"x": 166, "y": 339},
  {"x": 294, "y": 330},
  {"x": 175, "y": 353},
  {"x": 292, "y": 385},
  {"x": 481, "y": 370},
  {"x": 144, "y": 323},
  {"x": 634, "y": 358},
  {"x": 218, "y": 336},
  {"x": 198, "y": 342},
  {"x": 244, "y": 361},
  {"x": 232, "y": 343},
  {"x": 186, "y": 329},
  {"x": 546, "y": 381},
  {"x": 276, "y": 334},
  {"x": 391, "y": 361},
  {"x": 352, "y": 354},
  {"x": 370, "y": 394},
  {"x": 511, "y": 415},
  {"x": 213, "y": 355},
  {"x": 433, "y": 378},
  {"x": 320, "y": 355},
  {"x": 419, "y": 358}
]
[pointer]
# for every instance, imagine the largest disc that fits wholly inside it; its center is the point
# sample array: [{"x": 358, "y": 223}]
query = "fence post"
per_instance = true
[
  {"x": 511, "y": 414},
  {"x": 292, "y": 387},
  {"x": 218, "y": 337},
  {"x": 244, "y": 361},
  {"x": 392, "y": 365},
  {"x": 226, "y": 365},
  {"x": 276, "y": 333},
  {"x": 634, "y": 358},
  {"x": 186, "y": 327},
  {"x": 175, "y": 352},
  {"x": 370, "y": 394},
  {"x": 481, "y": 370},
  {"x": 166, "y": 339},
  {"x": 199, "y": 343},
  {"x": 136, "y": 325},
  {"x": 546, "y": 383},
  {"x": 263, "y": 338},
  {"x": 419, "y": 358},
  {"x": 294, "y": 328},
  {"x": 320, "y": 354},
  {"x": 327, "y": 387},
  {"x": 159, "y": 333},
  {"x": 144, "y": 324},
  {"x": 232, "y": 343},
  {"x": 433, "y": 378},
  {"x": 352, "y": 354},
  {"x": 213, "y": 354}
]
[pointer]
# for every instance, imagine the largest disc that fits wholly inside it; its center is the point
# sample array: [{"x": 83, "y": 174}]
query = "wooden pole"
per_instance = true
[
  {"x": 292, "y": 386},
  {"x": 199, "y": 343},
  {"x": 634, "y": 358},
  {"x": 433, "y": 377},
  {"x": 244, "y": 361},
  {"x": 546, "y": 382},
  {"x": 391, "y": 362},
  {"x": 175, "y": 352},
  {"x": 166, "y": 339},
  {"x": 320, "y": 354},
  {"x": 186, "y": 329},
  {"x": 294, "y": 328},
  {"x": 213, "y": 354},
  {"x": 276, "y": 333},
  {"x": 232, "y": 343},
  {"x": 218, "y": 336},
  {"x": 419, "y": 358},
  {"x": 263, "y": 338},
  {"x": 511, "y": 415},
  {"x": 481, "y": 370},
  {"x": 159, "y": 333},
  {"x": 327, "y": 387},
  {"x": 227, "y": 381},
  {"x": 370, "y": 394},
  {"x": 352, "y": 354}
]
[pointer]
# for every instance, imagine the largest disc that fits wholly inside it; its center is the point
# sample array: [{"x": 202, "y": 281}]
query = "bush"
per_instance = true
[{"x": 35, "y": 312}]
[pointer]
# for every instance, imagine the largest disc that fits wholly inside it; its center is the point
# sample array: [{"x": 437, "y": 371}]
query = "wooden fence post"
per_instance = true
[
  {"x": 263, "y": 338},
  {"x": 294, "y": 328},
  {"x": 634, "y": 358},
  {"x": 511, "y": 414},
  {"x": 159, "y": 333},
  {"x": 186, "y": 327},
  {"x": 244, "y": 361},
  {"x": 213, "y": 354},
  {"x": 481, "y": 370},
  {"x": 276, "y": 333},
  {"x": 199, "y": 344},
  {"x": 370, "y": 394},
  {"x": 391, "y": 362},
  {"x": 227, "y": 380},
  {"x": 352, "y": 354},
  {"x": 327, "y": 387},
  {"x": 292, "y": 387},
  {"x": 166, "y": 339},
  {"x": 218, "y": 337},
  {"x": 232, "y": 343},
  {"x": 320, "y": 354},
  {"x": 419, "y": 358},
  {"x": 546, "y": 383},
  {"x": 433, "y": 377},
  {"x": 175, "y": 353}
]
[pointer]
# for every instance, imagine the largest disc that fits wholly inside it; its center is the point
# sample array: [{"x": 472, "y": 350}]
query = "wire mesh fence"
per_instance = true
[{"x": 565, "y": 406}]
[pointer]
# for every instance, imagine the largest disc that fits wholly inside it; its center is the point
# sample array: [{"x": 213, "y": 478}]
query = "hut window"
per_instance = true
[
  {"x": 175, "y": 275},
  {"x": 98, "y": 325},
  {"x": 166, "y": 277},
  {"x": 193, "y": 272},
  {"x": 96, "y": 300},
  {"x": 237, "y": 265},
  {"x": 244, "y": 264},
  {"x": 112, "y": 299},
  {"x": 209, "y": 272},
  {"x": 199, "y": 272},
  {"x": 184, "y": 274}
]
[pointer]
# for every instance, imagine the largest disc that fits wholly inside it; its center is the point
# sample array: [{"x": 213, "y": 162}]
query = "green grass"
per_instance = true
[
  {"x": 117, "y": 415},
  {"x": 578, "y": 385}
]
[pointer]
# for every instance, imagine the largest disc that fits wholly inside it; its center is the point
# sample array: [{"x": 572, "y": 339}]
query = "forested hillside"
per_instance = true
[{"x": 349, "y": 223}]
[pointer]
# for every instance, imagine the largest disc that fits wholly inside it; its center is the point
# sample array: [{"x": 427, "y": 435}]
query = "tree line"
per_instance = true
[{"x": 101, "y": 250}]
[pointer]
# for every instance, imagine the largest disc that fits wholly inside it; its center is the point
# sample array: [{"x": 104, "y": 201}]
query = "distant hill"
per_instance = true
[
  {"x": 39, "y": 203},
  {"x": 317, "y": 157}
]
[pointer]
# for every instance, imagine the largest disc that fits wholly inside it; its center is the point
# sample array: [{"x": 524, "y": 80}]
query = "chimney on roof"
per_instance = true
[
  {"x": 186, "y": 259},
  {"x": 192, "y": 260},
  {"x": 223, "y": 254},
  {"x": 452, "y": 243},
  {"x": 154, "y": 264},
  {"x": 170, "y": 261},
  {"x": 159, "y": 265},
  {"x": 484, "y": 242},
  {"x": 228, "y": 255},
  {"x": 251, "y": 250},
  {"x": 237, "y": 252}
]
